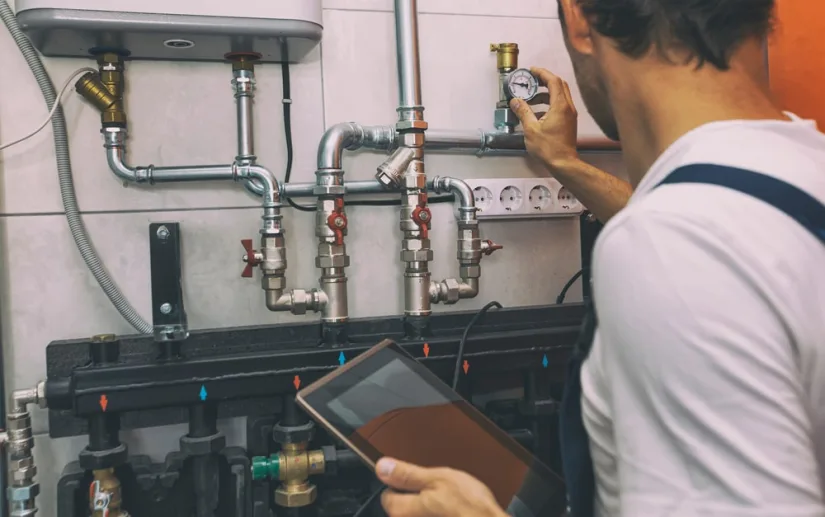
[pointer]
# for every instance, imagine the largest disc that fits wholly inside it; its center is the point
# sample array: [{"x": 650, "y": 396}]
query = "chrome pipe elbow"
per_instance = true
[
  {"x": 115, "y": 144},
  {"x": 351, "y": 136},
  {"x": 463, "y": 193}
]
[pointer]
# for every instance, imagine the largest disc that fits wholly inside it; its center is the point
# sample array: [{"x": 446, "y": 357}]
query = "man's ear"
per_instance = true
[{"x": 577, "y": 27}]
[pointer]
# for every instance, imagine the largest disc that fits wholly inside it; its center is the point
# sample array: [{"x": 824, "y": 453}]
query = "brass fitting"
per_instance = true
[
  {"x": 507, "y": 56},
  {"x": 298, "y": 464},
  {"x": 243, "y": 60},
  {"x": 292, "y": 466},
  {"x": 93, "y": 90},
  {"x": 105, "y": 495},
  {"x": 111, "y": 76}
]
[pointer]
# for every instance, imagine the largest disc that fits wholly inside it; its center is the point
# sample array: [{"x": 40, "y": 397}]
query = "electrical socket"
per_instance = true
[{"x": 523, "y": 198}]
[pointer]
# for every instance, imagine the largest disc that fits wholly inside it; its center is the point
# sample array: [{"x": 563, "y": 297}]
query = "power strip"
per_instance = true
[{"x": 523, "y": 198}]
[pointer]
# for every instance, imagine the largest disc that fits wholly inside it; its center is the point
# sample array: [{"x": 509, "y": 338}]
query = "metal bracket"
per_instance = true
[{"x": 168, "y": 313}]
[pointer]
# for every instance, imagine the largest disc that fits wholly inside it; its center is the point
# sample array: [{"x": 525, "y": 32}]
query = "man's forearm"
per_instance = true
[{"x": 603, "y": 194}]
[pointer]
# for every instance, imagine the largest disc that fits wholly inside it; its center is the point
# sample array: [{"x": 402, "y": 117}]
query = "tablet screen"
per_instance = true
[{"x": 385, "y": 403}]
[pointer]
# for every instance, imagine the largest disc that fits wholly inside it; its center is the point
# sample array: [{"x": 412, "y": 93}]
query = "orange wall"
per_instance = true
[{"x": 797, "y": 58}]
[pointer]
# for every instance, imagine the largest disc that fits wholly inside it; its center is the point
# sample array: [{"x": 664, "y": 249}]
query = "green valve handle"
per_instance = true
[{"x": 266, "y": 468}]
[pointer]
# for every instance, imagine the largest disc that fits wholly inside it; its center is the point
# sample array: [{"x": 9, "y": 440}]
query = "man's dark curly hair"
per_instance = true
[{"x": 710, "y": 31}]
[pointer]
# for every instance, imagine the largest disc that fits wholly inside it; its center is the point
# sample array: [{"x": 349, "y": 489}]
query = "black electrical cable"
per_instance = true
[
  {"x": 480, "y": 314},
  {"x": 371, "y": 499},
  {"x": 287, "y": 91},
  {"x": 567, "y": 286}
]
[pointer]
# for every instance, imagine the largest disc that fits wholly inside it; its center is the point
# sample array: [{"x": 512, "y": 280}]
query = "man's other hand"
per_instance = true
[
  {"x": 439, "y": 492},
  {"x": 552, "y": 137}
]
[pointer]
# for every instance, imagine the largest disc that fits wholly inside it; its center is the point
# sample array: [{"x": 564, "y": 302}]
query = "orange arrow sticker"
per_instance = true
[
  {"x": 296, "y": 382},
  {"x": 104, "y": 402},
  {"x": 466, "y": 366},
  {"x": 426, "y": 350}
]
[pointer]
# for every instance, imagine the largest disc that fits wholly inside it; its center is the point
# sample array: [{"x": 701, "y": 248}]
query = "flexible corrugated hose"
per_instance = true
[{"x": 64, "y": 173}]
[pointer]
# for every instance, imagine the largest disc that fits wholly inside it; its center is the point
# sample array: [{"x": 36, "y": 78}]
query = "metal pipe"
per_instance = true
[
  {"x": 23, "y": 489},
  {"x": 295, "y": 190},
  {"x": 244, "y": 83},
  {"x": 470, "y": 246},
  {"x": 351, "y": 136},
  {"x": 409, "y": 67}
]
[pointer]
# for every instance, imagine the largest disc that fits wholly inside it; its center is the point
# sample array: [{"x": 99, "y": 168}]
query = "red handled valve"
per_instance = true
[
  {"x": 252, "y": 258},
  {"x": 488, "y": 247},
  {"x": 337, "y": 222},
  {"x": 422, "y": 217}
]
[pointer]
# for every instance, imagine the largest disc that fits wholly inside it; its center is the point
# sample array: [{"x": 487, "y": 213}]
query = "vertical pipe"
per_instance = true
[
  {"x": 203, "y": 420},
  {"x": 409, "y": 68},
  {"x": 246, "y": 132}
]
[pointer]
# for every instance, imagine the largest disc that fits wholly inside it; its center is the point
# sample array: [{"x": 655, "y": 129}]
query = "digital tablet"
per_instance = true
[{"x": 385, "y": 403}]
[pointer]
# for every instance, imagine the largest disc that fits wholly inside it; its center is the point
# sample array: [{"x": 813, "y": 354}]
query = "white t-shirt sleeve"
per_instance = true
[{"x": 709, "y": 414}]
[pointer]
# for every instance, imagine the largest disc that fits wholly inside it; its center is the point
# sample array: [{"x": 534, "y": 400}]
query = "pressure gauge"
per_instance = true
[{"x": 521, "y": 84}]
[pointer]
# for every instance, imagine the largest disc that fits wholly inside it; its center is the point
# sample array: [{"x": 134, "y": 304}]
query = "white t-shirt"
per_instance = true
[{"x": 704, "y": 394}]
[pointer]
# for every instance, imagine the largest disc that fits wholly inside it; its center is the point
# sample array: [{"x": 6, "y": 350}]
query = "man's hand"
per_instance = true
[
  {"x": 439, "y": 492},
  {"x": 552, "y": 138}
]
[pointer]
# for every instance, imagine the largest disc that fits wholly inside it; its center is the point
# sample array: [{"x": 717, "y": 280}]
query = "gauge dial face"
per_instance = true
[{"x": 521, "y": 84}]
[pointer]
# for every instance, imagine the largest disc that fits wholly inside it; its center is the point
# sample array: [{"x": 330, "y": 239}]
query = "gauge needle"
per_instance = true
[{"x": 523, "y": 85}]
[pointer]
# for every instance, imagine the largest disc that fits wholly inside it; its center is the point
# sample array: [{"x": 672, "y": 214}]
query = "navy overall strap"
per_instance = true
[
  {"x": 796, "y": 203},
  {"x": 575, "y": 445}
]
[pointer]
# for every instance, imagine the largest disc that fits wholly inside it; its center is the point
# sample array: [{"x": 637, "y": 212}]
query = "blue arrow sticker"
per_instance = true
[
  {"x": 342, "y": 359},
  {"x": 545, "y": 362},
  {"x": 203, "y": 392}
]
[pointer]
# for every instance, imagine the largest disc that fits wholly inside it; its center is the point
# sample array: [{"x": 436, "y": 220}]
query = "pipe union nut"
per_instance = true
[
  {"x": 332, "y": 261},
  {"x": 298, "y": 499},
  {"x": 23, "y": 493},
  {"x": 416, "y": 255},
  {"x": 21, "y": 463},
  {"x": 415, "y": 244},
  {"x": 300, "y": 300},
  {"x": 406, "y": 125},
  {"x": 23, "y": 475},
  {"x": 470, "y": 271},
  {"x": 451, "y": 290},
  {"x": 505, "y": 118},
  {"x": 19, "y": 424},
  {"x": 273, "y": 283}
]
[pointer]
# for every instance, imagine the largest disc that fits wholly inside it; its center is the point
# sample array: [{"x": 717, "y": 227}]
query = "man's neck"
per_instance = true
[{"x": 660, "y": 103}]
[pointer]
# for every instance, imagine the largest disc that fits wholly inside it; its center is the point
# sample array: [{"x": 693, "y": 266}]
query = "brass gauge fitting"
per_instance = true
[{"x": 506, "y": 56}]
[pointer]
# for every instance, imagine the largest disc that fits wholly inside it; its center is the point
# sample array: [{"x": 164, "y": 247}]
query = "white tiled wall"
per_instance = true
[{"x": 183, "y": 113}]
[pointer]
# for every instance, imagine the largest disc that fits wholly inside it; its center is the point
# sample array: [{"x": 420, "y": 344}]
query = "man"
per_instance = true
[{"x": 703, "y": 393}]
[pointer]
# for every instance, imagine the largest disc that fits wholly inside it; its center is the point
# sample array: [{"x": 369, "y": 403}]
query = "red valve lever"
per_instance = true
[
  {"x": 491, "y": 247},
  {"x": 251, "y": 258},
  {"x": 422, "y": 217},
  {"x": 337, "y": 222}
]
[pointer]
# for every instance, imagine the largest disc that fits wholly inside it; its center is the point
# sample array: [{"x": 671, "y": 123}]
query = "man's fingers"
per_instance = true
[
  {"x": 403, "y": 476},
  {"x": 523, "y": 111},
  {"x": 554, "y": 84},
  {"x": 401, "y": 505},
  {"x": 569, "y": 96},
  {"x": 539, "y": 99}
]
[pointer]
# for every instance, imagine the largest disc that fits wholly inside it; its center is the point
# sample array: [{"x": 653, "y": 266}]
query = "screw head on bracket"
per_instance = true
[
  {"x": 166, "y": 308},
  {"x": 163, "y": 233}
]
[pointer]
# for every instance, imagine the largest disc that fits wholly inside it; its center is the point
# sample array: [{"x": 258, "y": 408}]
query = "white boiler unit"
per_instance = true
[{"x": 199, "y": 30}]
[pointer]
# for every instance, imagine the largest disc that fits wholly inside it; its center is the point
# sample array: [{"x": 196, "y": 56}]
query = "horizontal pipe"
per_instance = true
[
  {"x": 191, "y": 173},
  {"x": 294, "y": 190}
]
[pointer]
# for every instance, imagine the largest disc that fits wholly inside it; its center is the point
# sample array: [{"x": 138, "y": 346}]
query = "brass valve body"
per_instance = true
[
  {"x": 105, "y": 495},
  {"x": 297, "y": 464},
  {"x": 507, "y": 56},
  {"x": 111, "y": 76}
]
